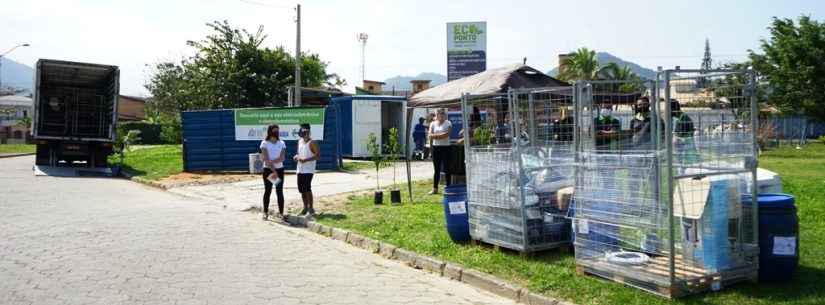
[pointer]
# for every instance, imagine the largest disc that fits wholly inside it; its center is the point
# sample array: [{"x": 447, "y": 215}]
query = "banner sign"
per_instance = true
[
  {"x": 251, "y": 124},
  {"x": 466, "y": 49}
]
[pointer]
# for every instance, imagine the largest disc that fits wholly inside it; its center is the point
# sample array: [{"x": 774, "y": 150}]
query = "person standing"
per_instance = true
[
  {"x": 419, "y": 136},
  {"x": 440, "y": 137},
  {"x": 273, "y": 153},
  {"x": 308, "y": 154},
  {"x": 428, "y": 145},
  {"x": 607, "y": 129}
]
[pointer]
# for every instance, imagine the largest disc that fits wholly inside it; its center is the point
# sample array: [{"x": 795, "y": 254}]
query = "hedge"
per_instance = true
[{"x": 149, "y": 133}]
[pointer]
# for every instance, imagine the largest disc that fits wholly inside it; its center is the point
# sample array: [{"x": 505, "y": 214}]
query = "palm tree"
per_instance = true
[
  {"x": 631, "y": 82},
  {"x": 612, "y": 71},
  {"x": 581, "y": 65}
]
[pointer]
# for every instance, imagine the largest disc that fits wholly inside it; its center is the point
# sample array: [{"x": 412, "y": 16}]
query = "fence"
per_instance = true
[
  {"x": 209, "y": 143},
  {"x": 660, "y": 208}
]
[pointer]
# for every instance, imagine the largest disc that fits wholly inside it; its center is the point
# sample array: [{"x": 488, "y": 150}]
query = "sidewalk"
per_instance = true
[{"x": 245, "y": 194}]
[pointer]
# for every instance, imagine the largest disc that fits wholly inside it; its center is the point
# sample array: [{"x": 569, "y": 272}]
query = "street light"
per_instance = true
[{"x": 1, "y": 61}]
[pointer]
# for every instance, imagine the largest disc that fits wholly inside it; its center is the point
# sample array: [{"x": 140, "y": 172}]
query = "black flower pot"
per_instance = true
[
  {"x": 379, "y": 197},
  {"x": 395, "y": 196}
]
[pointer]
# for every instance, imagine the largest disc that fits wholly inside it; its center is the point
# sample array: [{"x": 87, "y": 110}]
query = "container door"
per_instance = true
[{"x": 366, "y": 119}]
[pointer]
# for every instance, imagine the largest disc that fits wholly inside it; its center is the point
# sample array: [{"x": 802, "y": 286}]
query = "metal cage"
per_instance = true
[
  {"x": 519, "y": 154},
  {"x": 660, "y": 181}
]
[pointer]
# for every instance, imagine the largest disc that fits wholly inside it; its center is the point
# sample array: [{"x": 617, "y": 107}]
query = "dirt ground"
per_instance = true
[{"x": 205, "y": 178}]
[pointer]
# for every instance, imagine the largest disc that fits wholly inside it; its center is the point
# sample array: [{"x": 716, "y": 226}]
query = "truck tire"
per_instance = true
[{"x": 43, "y": 155}]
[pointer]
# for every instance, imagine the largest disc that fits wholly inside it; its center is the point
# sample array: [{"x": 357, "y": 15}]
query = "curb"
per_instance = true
[
  {"x": 475, "y": 278},
  {"x": 130, "y": 176},
  {"x": 16, "y": 155}
]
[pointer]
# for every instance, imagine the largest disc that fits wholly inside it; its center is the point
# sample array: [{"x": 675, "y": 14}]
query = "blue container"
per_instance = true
[
  {"x": 778, "y": 237},
  {"x": 455, "y": 212}
]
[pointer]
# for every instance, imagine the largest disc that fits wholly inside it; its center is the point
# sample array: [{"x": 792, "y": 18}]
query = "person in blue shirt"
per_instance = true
[{"x": 419, "y": 137}]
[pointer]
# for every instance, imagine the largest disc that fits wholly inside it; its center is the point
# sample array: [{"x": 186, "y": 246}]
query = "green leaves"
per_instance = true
[
  {"x": 792, "y": 62},
  {"x": 584, "y": 65},
  {"x": 231, "y": 69},
  {"x": 376, "y": 155}
]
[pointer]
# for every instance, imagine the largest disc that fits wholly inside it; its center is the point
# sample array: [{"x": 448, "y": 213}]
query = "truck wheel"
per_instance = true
[{"x": 42, "y": 155}]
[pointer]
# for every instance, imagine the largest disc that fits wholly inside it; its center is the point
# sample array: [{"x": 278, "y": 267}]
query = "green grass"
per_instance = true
[
  {"x": 16, "y": 148},
  {"x": 154, "y": 163},
  {"x": 420, "y": 227},
  {"x": 357, "y": 165}
]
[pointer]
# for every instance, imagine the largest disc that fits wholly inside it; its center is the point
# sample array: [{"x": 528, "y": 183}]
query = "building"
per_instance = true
[
  {"x": 131, "y": 108},
  {"x": 13, "y": 109},
  {"x": 370, "y": 87}
]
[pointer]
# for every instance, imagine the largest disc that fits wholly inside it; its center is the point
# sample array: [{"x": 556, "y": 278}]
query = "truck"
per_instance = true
[{"x": 75, "y": 113}]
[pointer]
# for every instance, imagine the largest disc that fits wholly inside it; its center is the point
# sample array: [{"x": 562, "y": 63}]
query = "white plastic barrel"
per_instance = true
[{"x": 256, "y": 166}]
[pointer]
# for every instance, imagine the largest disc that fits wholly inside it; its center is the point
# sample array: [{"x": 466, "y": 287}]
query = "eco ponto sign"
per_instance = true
[
  {"x": 466, "y": 49},
  {"x": 251, "y": 124}
]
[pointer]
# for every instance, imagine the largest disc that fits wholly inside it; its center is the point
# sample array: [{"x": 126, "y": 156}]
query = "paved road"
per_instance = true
[
  {"x": 244, "y": 194},
  {"x": 111, "y": 241}
]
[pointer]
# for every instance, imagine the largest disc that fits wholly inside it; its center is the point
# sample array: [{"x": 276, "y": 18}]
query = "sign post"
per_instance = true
[
  {"x": 251, "y": 124},
  {"x": 466, "y": 49}
]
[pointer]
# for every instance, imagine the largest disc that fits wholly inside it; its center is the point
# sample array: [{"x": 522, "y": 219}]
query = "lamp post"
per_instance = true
[{"x": 1, "y": 61}]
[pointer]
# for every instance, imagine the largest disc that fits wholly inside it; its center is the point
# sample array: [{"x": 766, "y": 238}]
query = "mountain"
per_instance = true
[
  {"x": 403, "y": 82},
  {"x": 16, "y": 75},
  {"x": 604, "y": 58}
]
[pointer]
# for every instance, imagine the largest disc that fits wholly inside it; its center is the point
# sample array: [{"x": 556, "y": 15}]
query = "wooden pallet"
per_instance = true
[
  {"x": 562, "y": 246},
  {"x": 654, "y": 276}
]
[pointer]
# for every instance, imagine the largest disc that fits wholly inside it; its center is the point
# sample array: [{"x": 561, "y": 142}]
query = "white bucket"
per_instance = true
[{"x": 256, "y": 166}]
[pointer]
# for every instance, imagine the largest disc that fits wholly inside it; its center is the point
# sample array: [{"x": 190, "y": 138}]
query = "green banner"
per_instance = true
[
  {"x": 287, "y": 116},
  {"x": 251, "y": 124}
]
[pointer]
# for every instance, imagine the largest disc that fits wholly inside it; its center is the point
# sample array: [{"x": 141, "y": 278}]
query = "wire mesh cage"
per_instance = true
[
  {"x": 520, "y": 154},
  {"x": 659, "y": 205}
]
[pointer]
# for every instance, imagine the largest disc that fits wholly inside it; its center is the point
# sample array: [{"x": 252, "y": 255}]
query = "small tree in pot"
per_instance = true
[
  {"x": 377, "y": 158},
  {"x": 393, "y": 151}
]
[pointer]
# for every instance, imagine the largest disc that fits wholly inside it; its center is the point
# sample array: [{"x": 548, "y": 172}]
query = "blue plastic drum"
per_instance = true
[
  {"x": 455, "y": 212},
  {"x": 778, "y": 237}
]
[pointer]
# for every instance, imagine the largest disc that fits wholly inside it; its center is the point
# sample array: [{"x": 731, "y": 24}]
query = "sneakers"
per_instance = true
[
  {"x": 303, "y": 212},
  {"x": 264, "y": 216},
  {"x": 311, "y": 212},
  {"x": 433, "y": 192}
]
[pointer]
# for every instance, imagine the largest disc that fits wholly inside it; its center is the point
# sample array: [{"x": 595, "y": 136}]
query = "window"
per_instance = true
[
  {"x": 25, "y": 113},
  {"x": 18, "y": 134}
]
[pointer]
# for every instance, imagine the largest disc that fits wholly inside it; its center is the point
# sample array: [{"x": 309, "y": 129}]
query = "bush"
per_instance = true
[
  {"x": 171, "y": 131},
  {"x": 821, "y": 139},
  {"x": 150, "y": 133}
]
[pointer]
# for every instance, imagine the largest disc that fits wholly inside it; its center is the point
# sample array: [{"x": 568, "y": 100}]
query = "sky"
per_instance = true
[{"x": 405, "y": 37}]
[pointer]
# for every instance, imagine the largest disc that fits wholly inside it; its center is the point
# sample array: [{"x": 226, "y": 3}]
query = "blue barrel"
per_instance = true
[
  {"x": 455, "y": 212},
  {"x": 778, "y": 237}
]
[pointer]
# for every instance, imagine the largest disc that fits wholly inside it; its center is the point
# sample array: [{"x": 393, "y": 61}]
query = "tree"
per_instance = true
[
  {"x": 792, "y": 63},
  {"x": 231, "y": 69},
  {"x": 584, "y": 65},
  {"x": 581, "y": 65}
]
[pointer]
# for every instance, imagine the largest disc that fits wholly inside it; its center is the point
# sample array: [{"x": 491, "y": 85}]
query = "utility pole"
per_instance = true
[{"x": 296, "y": 95}]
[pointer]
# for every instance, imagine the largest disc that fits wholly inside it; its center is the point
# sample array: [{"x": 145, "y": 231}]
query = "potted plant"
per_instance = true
[
  {"x": 377, "y": 158},
  {"x": 393, "y": 151}
]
